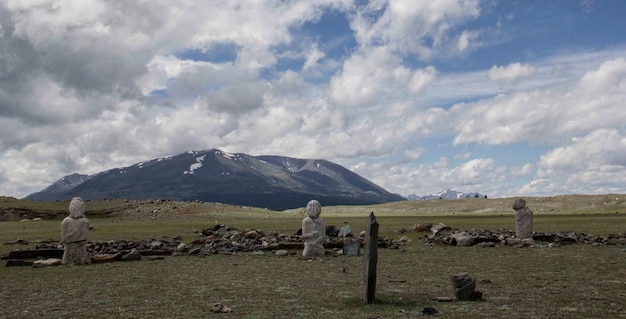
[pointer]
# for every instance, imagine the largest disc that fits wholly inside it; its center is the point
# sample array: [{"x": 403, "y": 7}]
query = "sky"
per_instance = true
[{"x": 505, "y": 98}]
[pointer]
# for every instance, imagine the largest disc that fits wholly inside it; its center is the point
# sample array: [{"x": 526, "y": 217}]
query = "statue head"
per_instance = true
[
  {"x": 313, "y": 209},
  {"x": 77, "y": 207},
  {"x": 519, "y": 204}
]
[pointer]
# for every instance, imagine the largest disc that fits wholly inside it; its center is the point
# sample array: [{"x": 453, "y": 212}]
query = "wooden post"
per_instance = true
[{"x": 371, "y": 259}]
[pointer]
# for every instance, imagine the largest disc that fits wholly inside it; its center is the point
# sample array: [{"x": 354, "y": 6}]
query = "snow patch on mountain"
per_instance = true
[{"x": 195, "y": 165}]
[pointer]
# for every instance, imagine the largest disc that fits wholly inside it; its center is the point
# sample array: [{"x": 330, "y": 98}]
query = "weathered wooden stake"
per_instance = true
[{"x": 371, "y": 259}]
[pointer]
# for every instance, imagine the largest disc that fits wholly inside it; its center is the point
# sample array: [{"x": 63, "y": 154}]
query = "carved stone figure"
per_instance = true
[
  {"x": 74, "y": 231},
  {"x": 345, "y": 231},
  {"x": 313, "y": 230},
  {"x": 523, "y": 219}
]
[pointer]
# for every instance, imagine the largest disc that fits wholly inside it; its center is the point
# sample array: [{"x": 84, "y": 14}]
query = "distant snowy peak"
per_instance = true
[
  {"x": 445, "y": 194},
  {"x": 70, "y": 181},
  {"x": 64, "y": 184}
]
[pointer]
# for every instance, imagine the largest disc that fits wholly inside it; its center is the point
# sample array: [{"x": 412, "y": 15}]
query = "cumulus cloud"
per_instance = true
[
  {"x": 465, "y": 40},
  {"x": 547, "y": 115},
  {"x": 412, "y": 27},
  {"x": 510, "y": 73},
  {"x": 596, "y": 159},
  {"x": 421, "y": 78},
  {"x": 85, "y": 90}
]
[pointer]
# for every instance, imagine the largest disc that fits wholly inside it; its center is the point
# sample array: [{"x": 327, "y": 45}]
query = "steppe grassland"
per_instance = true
[{"x": 576, "y": 281}]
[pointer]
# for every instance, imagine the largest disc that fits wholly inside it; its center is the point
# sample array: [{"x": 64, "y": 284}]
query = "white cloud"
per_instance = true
[
  {"x": 511, "y": 72},
  {"x": 84, "y": 90},
  {"x": 548, "y": 115},
  {"x": 413, "y": 27},
  {"x": 364, "y": 78},
  {"x": 421, "y": 78},
  {"x": 596, "y": 160},
  {"x": 312, "y": 57},
  {"x": 465, "y": 40}
]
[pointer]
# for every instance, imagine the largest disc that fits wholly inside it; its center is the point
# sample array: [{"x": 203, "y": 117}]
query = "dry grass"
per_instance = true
[{"x": 576, "y": 281}]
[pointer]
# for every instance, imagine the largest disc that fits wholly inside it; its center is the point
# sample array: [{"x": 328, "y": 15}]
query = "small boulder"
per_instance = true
[
  {"x": 182, "y": 247},
  {"x": 422, "y": 227},
  {"x": 106, "y": 258},
  {"x": 528, "y": 242},
  {"x": 439, "y": 228},
  {"x": 429, "y": 311},
  {"x": 513, "y": 241},
  {"x": 463, "y": 239},
  {"x": 156, "y": 244},
  {"x": 46, "y": 262},
  {"x": 282, "y": 253},
  {"x": 464, "y": 285},
  {"x": 132, "y": 256},
  {"x": 220, "y": 308}
]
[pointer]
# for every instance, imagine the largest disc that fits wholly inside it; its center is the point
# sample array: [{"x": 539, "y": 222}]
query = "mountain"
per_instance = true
[
  {"x": 445, "y": 194},
  {"x": 273, "y": 182},
  {"x": 57, "y": 188}
]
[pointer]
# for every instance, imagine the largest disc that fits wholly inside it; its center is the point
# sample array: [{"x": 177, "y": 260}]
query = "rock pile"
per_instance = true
[
  {"x": 488, "y": 238},
  {"x": 220, "y": 239}
]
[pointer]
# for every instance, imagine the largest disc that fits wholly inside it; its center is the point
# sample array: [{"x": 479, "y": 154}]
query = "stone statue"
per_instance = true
[
  {"x": 523, "y": 219},
  {"x": 313, "y": 230},
  {"x": 74, "y": 231},
  {"x": 345, "y": 231}
]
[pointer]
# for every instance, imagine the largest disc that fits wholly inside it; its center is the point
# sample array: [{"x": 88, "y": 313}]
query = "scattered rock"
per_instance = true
[
  {"x": 134, "y": 255},
  {"x": 156, "y": 244},
  {"x": 528, "y": 242},
  {"x": 422, "y": 227},
  {"x": 221, "y": 239},
  {"x": 182, "y": 247},
  {"x": 106, "y": 258},
  {"x": 439, "y": 228},
  {"x": 463, "y": 239},
  {"x": 220, "y": 308},
  {"x": 46, "y": 262},
  {"x": 488, "y": 238},
  {"x": 430, "y": 311},
  {"x": 513, "y": 241},
  {"x": 464, "y": 285}
]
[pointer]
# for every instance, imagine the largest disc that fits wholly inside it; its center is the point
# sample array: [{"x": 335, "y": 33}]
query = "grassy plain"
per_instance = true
[{"x": 574, "y": 281}]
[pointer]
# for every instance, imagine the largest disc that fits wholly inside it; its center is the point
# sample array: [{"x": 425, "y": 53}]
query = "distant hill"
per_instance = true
[
  {"x": 273, "y": 182},
  {"x": 445, "y": 194}
]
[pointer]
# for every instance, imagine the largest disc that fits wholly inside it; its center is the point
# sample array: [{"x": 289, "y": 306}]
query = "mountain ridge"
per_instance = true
[
  {"x": 268, "y": 181},
  {"x": 445, "y": 194}
]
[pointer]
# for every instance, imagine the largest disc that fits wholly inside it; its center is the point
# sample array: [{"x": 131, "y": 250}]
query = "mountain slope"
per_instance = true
[
  {"x": 273, "y": 182},
  {"x": 59, "y": 187}
]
